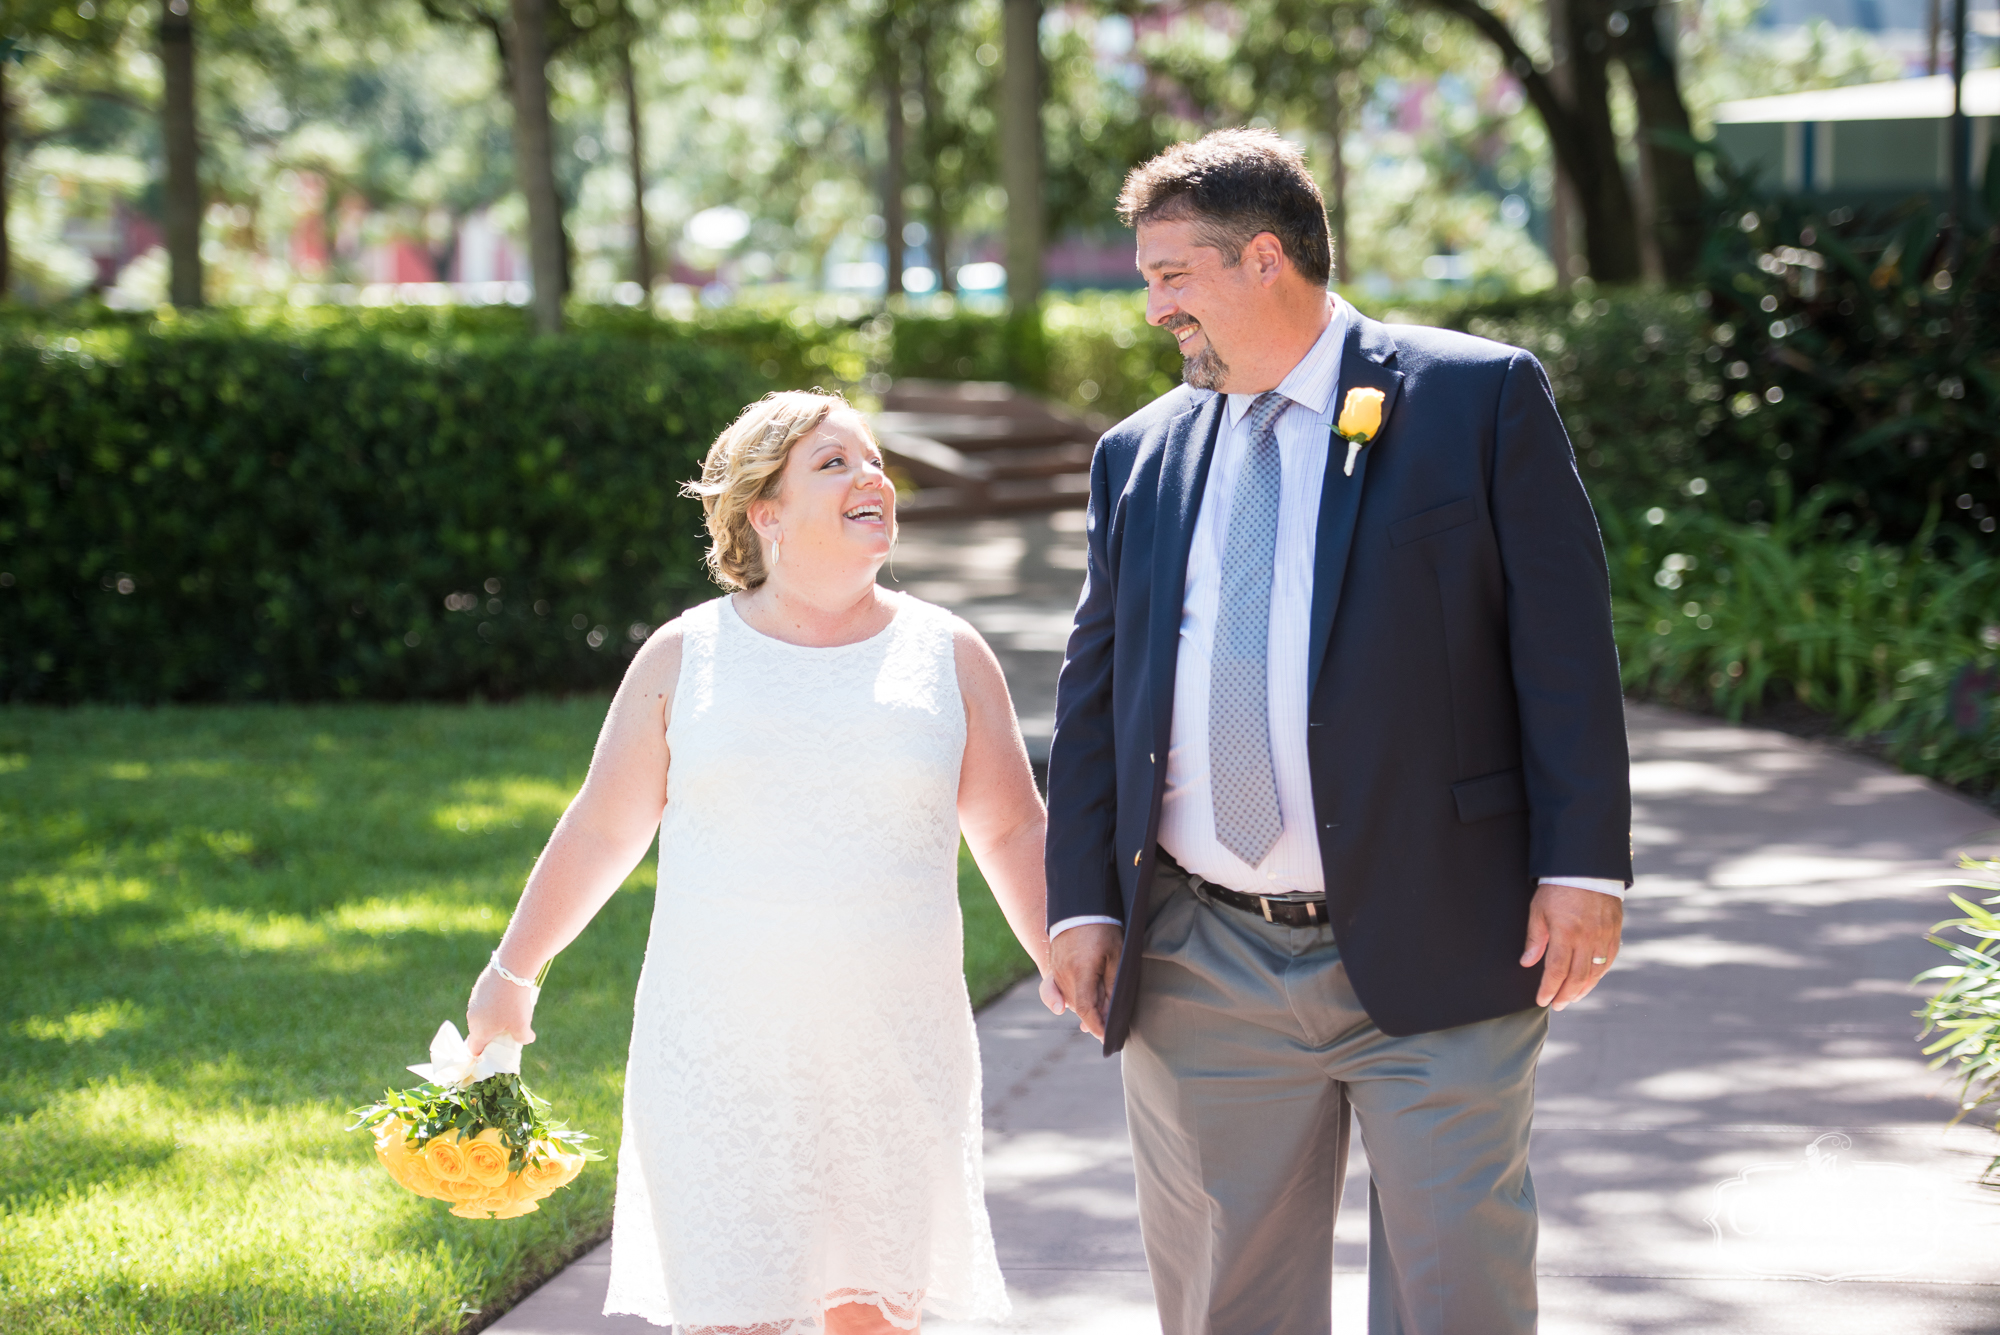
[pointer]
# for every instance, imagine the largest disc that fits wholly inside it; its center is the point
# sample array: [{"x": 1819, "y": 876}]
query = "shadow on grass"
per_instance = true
[
  {"x": 64, "y": 1156},
  {"x": 215, "y": 914}
]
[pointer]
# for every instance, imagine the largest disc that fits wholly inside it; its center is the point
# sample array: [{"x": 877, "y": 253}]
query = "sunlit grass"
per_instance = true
[{"x": 225, "y": 928}]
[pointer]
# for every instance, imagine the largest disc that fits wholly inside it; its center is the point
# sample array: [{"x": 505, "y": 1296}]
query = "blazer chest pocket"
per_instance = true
[
  {"x": 1432, "y": 522},
  {"x": 1490, "y": 795}
]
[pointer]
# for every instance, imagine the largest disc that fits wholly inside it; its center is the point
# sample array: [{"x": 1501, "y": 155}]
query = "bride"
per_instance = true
[{"x": 802, "y": 1109}]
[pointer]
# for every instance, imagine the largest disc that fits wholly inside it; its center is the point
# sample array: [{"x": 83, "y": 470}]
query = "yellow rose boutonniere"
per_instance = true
[{"x": 1360, "y": 419}]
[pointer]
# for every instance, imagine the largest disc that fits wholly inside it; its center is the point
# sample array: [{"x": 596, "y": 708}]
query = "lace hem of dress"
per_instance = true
[{"x": 903, "y": 1311}]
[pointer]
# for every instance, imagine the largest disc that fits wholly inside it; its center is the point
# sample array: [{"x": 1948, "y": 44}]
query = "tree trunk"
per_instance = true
[
  {"x": 1562, "y": 192},
  {"x": 1021, "y": 151},
  {"x": 642, "y": 249},
  {"x": 1579, "y": 127},
  {"x": 892, "y": 172},
  {"x": 6, "y": 124},
  {"x": 933, "y": 149},
  {"x": 1678, "y": 203},
  {"x": 1610, "y": 223},
  {"x": 941, "y": 239},
  {"x": 182, "y": 193},
  {"x": 1961, "y": 131},
  {"x": 1337, "y": 126},
  {"x": 534, "y": 162}
]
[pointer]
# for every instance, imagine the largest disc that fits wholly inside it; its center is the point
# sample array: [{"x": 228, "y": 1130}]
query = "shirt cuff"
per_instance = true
[
  {"x": 1079, "y": 921},
  {"x": 1616, "y": 889}
]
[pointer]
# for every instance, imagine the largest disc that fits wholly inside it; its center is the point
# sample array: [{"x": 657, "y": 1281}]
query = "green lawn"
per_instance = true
[{"x": 224, "y": 928}]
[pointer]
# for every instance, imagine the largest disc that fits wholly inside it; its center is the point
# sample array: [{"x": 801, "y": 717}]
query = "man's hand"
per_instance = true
[
  {"x": 1086, "y": 962},
  {"x": 1570, "y": 926}
]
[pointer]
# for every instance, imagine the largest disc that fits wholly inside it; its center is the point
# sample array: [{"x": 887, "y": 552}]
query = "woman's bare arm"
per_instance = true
[
  {"x": 998, "y": 807},
  {"x": 598, "y": 841}
]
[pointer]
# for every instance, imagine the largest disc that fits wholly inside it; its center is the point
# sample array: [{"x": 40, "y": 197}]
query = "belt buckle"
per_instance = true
[{"x": 1311, "y": 907}]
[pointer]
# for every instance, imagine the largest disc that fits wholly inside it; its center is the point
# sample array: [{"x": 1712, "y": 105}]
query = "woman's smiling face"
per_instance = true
[{"x": 834, "y": 502}]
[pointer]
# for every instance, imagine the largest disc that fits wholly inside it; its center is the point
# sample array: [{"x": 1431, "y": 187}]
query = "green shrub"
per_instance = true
[
  {"x": 1895, "y": 642},
  {"x": 195, "y": 512},
  {"x": 1635, "y": 382},
  {"x": 1864, "y": 352}
]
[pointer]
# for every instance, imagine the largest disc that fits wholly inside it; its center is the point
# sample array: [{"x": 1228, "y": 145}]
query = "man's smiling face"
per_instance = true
[{"x": 1207, "y": 303}]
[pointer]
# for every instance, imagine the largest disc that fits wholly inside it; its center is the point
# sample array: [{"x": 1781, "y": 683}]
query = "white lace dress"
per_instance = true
[{"x": 802, "y": 1104}]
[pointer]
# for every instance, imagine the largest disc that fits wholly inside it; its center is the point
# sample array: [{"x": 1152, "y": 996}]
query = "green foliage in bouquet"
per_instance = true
[
  {"x": 502, "y": 1101},
  {"x": 1966, "y": 1012}
]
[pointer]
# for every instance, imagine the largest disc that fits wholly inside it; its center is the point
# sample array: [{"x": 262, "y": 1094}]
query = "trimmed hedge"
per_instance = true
[
  {"x": 292, "y": 493},
  {"x": 204, "y": 513}
]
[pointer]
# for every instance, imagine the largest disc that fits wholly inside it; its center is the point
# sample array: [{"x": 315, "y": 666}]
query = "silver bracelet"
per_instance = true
[{"x": 493, "y": 963}]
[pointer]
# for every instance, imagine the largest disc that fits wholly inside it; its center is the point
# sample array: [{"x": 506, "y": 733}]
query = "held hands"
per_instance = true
[
  {"x": 498, "y": 1007},
  {"x": 1568, "y": 928},
  {"x": 1052, "y": 996},
  {"x": 1085, "y": 960}
]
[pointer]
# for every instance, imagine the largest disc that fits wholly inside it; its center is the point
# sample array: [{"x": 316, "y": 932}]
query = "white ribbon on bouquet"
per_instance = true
[{"x": 453, "y": 1065}]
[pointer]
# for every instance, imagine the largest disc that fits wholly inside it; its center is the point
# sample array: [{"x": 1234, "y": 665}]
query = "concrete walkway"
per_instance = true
[{"x": 1737, "y": 1132}]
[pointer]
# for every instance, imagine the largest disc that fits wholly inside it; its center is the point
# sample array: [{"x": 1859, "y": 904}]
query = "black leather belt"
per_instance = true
[{"x": 1286, "y": 912}]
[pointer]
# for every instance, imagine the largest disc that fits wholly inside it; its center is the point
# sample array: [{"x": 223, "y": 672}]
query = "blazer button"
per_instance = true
[
  {"x": 1135, "y": 859},
  {"x": 1150, "y": 760}
]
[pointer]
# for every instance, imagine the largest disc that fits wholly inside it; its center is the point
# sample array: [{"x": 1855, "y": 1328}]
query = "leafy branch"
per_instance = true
[{"x": 1966, "y": 1011}]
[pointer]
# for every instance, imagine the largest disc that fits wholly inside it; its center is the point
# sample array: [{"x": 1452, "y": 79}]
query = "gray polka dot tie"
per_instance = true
[{"x": 1244, "y": 788}]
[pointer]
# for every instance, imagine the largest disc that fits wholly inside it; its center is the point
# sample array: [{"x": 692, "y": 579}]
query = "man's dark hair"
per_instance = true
[{"x": 1234, "y": 184}]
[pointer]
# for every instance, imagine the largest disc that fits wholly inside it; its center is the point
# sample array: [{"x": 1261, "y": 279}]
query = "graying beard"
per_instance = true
[{"x": 1205, "y": 370}]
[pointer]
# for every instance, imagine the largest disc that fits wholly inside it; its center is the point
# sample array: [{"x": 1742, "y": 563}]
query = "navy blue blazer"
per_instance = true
[{"x": 1466, "y": 729}]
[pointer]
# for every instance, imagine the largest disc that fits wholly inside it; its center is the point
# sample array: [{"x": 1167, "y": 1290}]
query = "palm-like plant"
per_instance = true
[{"x": 1965, "y": 1014}]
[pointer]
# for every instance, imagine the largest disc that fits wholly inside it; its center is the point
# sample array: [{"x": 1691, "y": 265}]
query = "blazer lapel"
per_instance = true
[
  {"x": 1188, "y": 451},
  {"x": 1367, "y": 361}
]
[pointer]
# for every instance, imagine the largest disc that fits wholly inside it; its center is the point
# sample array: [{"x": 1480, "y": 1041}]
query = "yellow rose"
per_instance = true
[
  {"x": 1360, "y": 414},
  {"x": 406, "y": 1170},
  {"x": 465, "y": 1189},
  {"x": 444, "y": 1158},
  {"x": 390, "y": 1145},
  {"x": 555, "y": 1170},
  {"x": 486, "y": 1159},
  {"x": 418, "y": 1179},
  {"x": 517, "y": 1209}
]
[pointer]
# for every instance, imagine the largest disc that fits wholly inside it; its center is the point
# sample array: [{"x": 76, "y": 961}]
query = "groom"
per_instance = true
[{"x": 1338, "y": 802}]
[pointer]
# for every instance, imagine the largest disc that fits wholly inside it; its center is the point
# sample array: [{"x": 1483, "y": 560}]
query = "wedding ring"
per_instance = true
[{"x": 1597, "y": 959}]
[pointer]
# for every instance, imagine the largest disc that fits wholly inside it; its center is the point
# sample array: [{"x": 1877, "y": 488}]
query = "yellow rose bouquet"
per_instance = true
[{"x": 473, "y": 1134}]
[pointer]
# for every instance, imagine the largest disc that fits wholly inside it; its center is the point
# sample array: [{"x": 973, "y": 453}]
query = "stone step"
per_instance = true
[
  {"x": 1067, "y": 491},
  {"x": 976, "y": 448},
  {"x": 978, "y": 434}
]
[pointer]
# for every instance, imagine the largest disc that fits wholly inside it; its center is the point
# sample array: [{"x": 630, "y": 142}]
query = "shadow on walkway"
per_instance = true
[{"x": 1737, "y": 1132}]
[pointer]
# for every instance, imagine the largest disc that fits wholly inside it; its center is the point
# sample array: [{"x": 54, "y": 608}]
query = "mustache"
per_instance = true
[{"x": 1178, "y": 322}]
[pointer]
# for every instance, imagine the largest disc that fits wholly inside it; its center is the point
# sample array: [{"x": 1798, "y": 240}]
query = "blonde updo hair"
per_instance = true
[{"x": 745, "y": 465}]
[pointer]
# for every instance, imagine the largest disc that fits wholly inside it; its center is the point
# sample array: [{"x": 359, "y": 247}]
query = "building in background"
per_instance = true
[{"x": 1868, "y": 145}]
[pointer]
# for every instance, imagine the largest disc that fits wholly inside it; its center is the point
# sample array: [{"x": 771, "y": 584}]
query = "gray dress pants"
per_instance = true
[{"x": 1248, "y": 1051}]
